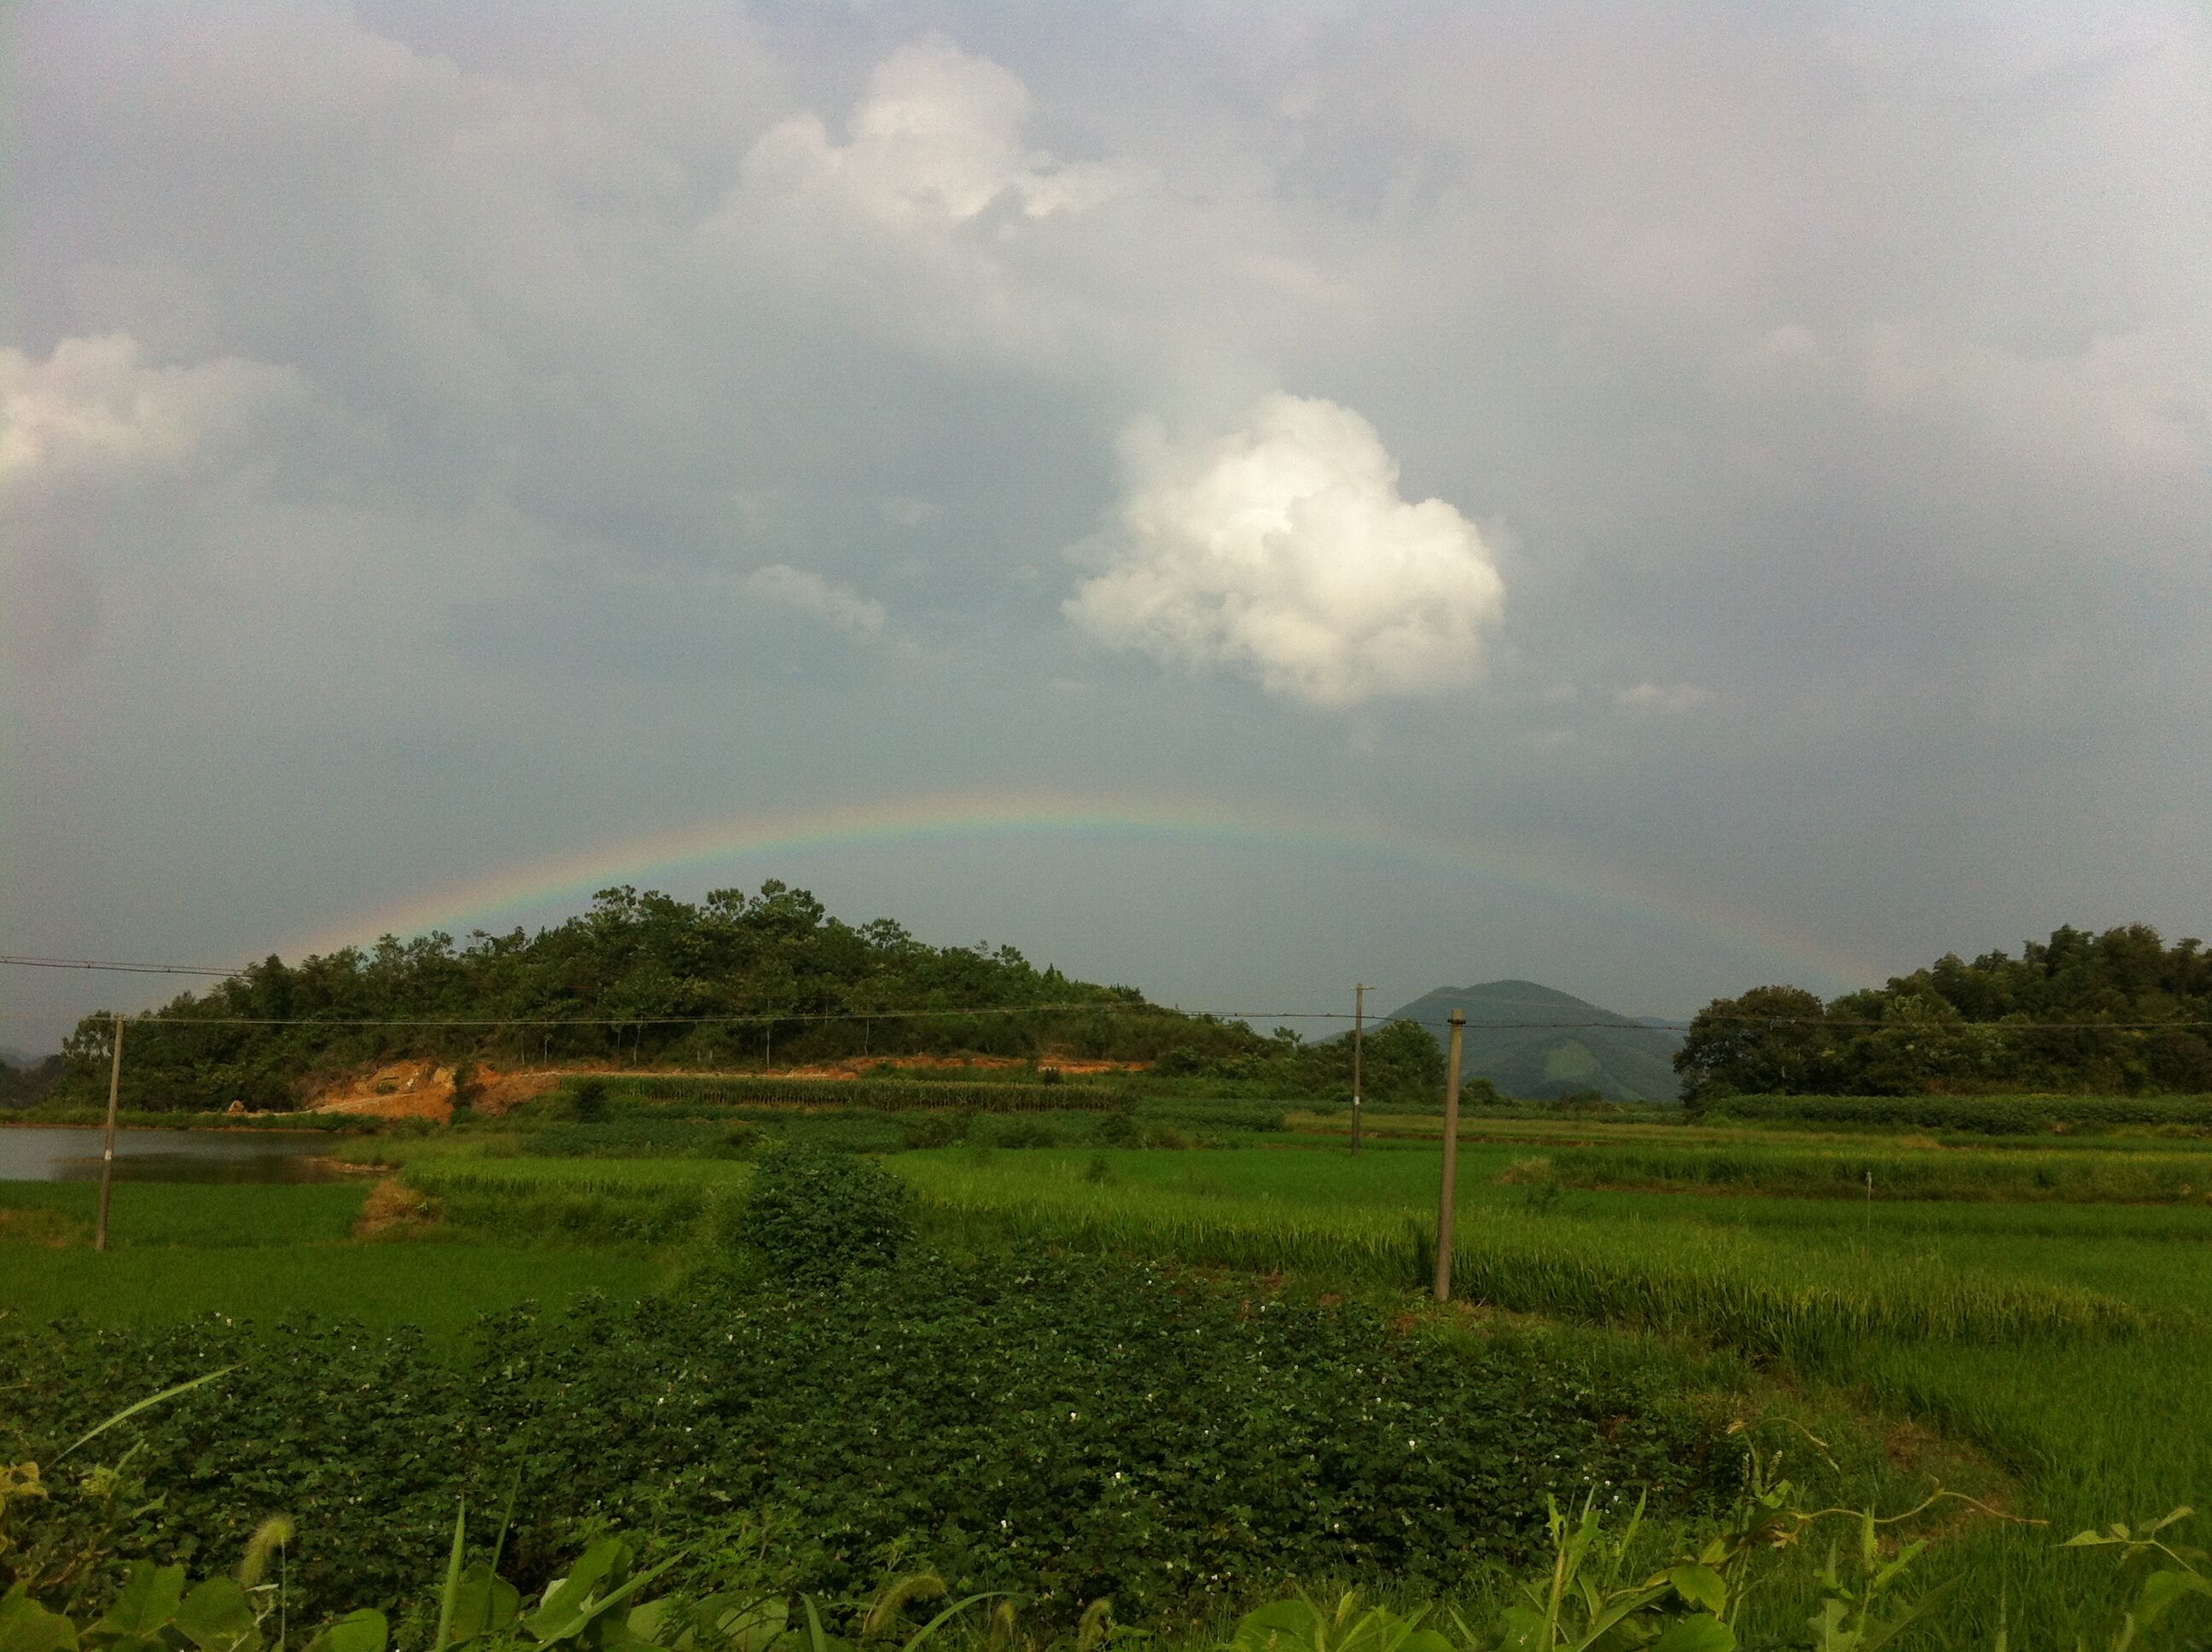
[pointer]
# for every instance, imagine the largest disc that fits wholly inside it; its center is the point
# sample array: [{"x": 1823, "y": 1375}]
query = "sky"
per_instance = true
[{"x": 1235, "y": 499}]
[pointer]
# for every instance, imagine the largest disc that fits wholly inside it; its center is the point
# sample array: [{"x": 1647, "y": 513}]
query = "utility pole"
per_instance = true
[
  {"x": 1358, "y": 1040},
  {"x": 107, "y": 1153},
  {"x": 1447, "y": 1196}
]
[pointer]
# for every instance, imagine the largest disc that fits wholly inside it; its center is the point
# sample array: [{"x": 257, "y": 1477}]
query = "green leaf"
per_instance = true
[
  {"x": 2162, "y": 1588},
  {"x": 145, "y": 1605},
  {"x": 1701, "y": 1586},
  {"x": 816, "y": 1640},
  {"x": 927, "y": 1632},
  {"x": 645, "y": 1622},
  {"x": 364, "y": 1631},
  {"x": 129, "y": 1412},
  {"x": 216, "y": 1616},
  {"x": 449, "y": 1594},
  {"x": 1290, "y": 1625},
  {"x": 570, "y": 1606},
  {"x": 567, "y": 1606},
  {"x": 1526, "y": 1630},
  {"x": 27, "y": 1626},
  {"x": 1703, "y": 1633},
  {"x": 484, "y": 1603}
]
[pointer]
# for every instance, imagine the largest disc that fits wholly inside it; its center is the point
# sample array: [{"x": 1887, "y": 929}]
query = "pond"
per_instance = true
[{"x": 44, "y": 1154}]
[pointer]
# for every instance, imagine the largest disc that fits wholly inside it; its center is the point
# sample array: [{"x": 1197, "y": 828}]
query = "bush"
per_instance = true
[
  {"x": 1120, "y": 1130},
  {"x": 1027, "y": 1132},
  {"x": 590, "y": 1101},
  {"x": 931, "y": 1129},
  {"x": 816, "y": 1216}
]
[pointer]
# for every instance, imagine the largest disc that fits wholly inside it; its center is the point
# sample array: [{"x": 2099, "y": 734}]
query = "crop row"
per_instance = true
[
  {"x": 1726, "y": 1287},
  {"x": 1993, "y": 1115},
  {"x": 883, "y": 1095},
  {"x": 1894, "y": 1173}
]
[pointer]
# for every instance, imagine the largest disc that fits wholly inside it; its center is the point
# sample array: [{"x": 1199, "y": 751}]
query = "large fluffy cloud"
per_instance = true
[
  {"x": 938, "y": 137},
  {"x": 487, "y": 385},
  {"x": 1283, "y": 550},
  {"x": 93, "y": 410}
]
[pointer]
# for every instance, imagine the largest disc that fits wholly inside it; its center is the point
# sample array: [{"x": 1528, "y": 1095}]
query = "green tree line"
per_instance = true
[
  {"x": 1982, "y": 1027},
  {"x": 637, "y": 979}
]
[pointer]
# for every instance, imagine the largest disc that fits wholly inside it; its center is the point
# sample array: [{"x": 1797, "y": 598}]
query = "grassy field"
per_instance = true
[
  {"x": 264, "y": 1253},
  {"x": 2073, "y": 1342},
  {"x": 2041, "y": 1303}
]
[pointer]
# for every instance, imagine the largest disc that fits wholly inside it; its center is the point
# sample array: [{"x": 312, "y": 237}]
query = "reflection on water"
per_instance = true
[{"x": 44, "y": 1154}]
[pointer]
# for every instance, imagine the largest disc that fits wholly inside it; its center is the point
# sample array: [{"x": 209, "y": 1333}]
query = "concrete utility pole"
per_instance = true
[
  {"x": 107, "y": 1153},
  {"x": 1358, "y": 1040},
  {"x": 1447, "y": 1196}
]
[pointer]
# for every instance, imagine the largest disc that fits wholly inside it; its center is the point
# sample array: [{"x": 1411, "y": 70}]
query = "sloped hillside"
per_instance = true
[{"x": 1575, "y": 1046}]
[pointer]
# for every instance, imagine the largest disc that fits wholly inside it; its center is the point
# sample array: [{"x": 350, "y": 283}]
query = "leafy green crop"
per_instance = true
[
  {"x": 1988, "y": 1115},
  {"x": 1069, "y": 1430},
  {"x": 816, "y": 1216}
]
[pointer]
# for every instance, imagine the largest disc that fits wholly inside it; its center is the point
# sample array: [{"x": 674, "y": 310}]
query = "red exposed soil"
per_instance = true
[{"x": 424, "y": 1090}]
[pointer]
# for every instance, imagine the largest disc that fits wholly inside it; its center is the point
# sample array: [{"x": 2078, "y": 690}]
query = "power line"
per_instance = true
[
  {"x": 128, "y": 969},
  {"x": 1113, "y": 1006}
]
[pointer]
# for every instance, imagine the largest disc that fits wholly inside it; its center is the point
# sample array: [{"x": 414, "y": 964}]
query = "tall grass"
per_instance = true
[
  {"x": 1997, "y": 1115},
  {"x": 883, "y": 1094},
  {"x": 593, "y": 1205},
  {"x": 1732, "y": 1289},
  {"x": 219, "y": 1214},
  {"x": 1893, "y": 1172}
]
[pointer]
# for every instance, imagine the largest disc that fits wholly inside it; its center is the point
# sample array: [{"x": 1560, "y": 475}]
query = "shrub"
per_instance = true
[
  {"x": 1120, "y": 1130},
  {"x": 815, "y": 1217},
  {"x": 590, "y": 1101},
  {"x": 1028, "y": 1132},
  {"x": 931, "y": 1129}
]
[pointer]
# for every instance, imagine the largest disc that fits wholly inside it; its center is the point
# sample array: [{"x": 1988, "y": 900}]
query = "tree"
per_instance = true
[{"x": 1772, "y": 1041}]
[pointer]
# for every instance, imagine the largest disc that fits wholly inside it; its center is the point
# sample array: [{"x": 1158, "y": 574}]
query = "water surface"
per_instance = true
[{"x": 44, "y": 1153}]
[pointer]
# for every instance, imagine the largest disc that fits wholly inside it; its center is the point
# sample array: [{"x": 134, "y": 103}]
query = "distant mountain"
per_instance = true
[{"x": 1574, "y": 1046}]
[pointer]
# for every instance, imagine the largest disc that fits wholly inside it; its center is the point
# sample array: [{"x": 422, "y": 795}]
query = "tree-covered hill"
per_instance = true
[
  {"x": 1575, "y": 1046},
  {"x": 645, "y": 977},
  {"x": 2132, "y": 1014}
]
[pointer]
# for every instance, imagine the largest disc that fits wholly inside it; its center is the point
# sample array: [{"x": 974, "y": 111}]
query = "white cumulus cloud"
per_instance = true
[
  {"x": 809, "y": 593},
  {"x": 93, "y": 408},
  {"x": 1284, "y": 552},
  {"x": 938, "y": 138}
]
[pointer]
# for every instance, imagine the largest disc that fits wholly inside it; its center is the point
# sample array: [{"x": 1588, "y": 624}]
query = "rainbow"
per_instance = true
[{"x": 673, "y": 852}]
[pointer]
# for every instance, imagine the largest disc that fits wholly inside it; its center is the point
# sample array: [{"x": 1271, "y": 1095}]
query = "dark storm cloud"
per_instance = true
[{"x": 404, "y": 404}]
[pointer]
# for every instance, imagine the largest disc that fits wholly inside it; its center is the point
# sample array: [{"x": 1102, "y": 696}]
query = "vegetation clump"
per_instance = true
[
  {"x": 1059, "y": 1429},
  {"x": 815, "y": 1217},
  {"x": 2122, "y": 1013}
]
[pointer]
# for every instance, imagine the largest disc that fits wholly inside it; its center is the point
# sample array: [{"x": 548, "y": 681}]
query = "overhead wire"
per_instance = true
[{"x": 1119, "y": 1006}]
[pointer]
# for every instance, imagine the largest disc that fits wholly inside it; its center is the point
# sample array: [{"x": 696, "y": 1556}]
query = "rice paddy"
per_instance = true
[{"x": 2043, "y": 1302}]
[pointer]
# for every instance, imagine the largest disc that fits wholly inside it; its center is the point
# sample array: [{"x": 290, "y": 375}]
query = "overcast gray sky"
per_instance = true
[{"x": 1753, "y": 465}]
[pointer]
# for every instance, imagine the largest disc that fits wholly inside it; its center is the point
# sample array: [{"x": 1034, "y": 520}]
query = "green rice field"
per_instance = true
[{"x": 2034, "y": 1312}]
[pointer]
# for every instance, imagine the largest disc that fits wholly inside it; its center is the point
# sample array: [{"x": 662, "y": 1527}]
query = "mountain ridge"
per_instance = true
[{"x": 1536, "y": 1041}]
